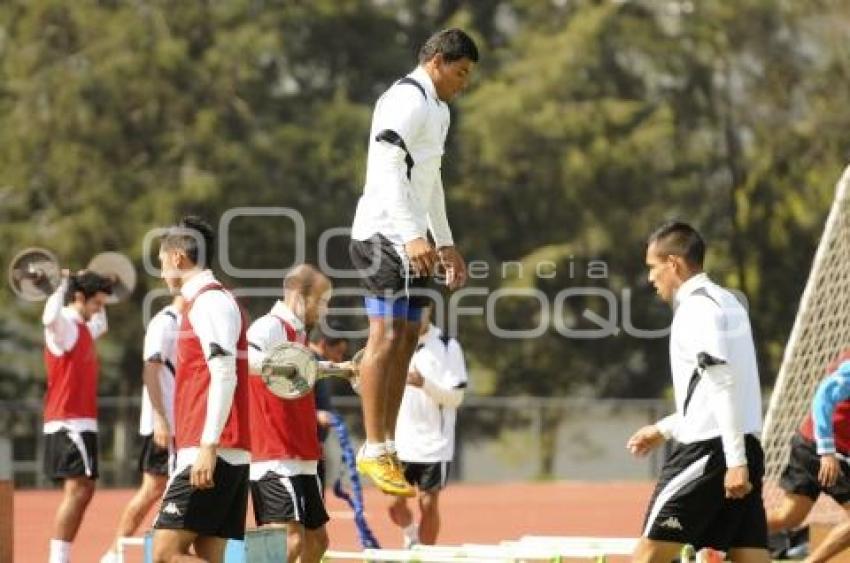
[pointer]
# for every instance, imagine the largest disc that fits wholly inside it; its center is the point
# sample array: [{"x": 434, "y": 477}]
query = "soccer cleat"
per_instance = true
[
  {"x": 386, "y": 475},
  {"x": 397, "y": 463}
]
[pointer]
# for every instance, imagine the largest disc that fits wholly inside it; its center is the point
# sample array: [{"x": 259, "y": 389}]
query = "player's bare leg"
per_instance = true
[
  {"x": 150, "y": 491},
  {"x": 400, "y": 363},
  {"x": 77, "y": 494},
  {"x": 172, "y": 546},
  {"x": 652, "y": 551},
  {"x": 208, "y": 548},
  {"x": 385, "y": 334},
  {"x": 429, "y": 522},
  {"x": 316, "y": 543},
  {"x": 384, "y": 339},
  {"x": 835, "y": 541},
  {"x": 399, "y": 512},
  {"x": 790, "y": 513},
  {"x": 402, "y": 516}
]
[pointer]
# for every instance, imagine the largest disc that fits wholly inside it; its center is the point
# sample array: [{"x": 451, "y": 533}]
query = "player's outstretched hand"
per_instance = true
[
  {"x": 829, "y": 470},
  {"x": 645, "y": 440},
  {"x": 737, "y": 482},
  {"x": 201, "y": 476}
]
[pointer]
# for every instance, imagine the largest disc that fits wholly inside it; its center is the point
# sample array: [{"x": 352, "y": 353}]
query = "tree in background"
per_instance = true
[{"x": 589, "y": 123}]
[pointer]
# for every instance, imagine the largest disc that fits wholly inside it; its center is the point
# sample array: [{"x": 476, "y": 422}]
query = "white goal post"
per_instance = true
[{"x": 821, "y": 331}]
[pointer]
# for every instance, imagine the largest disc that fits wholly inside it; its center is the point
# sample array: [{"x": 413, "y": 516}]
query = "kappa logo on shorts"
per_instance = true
[
  {"x": 672, "y": 523},
  {"x": 172, "y": 509}
]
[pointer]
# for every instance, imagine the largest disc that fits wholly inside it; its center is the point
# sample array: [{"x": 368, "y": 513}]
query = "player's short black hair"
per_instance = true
[
  {"x": 679, "y": 239},
  {"x": 89, "y": 284},
  {"x": 195, "y": 237},
  {"x": 454, "y": 44}
]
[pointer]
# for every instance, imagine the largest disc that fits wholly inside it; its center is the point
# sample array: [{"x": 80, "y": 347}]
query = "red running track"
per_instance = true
[{"x": 471, "y": 514}]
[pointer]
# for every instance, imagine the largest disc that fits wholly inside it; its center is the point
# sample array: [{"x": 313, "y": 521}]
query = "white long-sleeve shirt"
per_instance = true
[
  {"x": 715, "y": 373},
  {"x": 425, "y": 430},
  {"x": 160, "y": 345},
  {"x": 398, "y": 203}
]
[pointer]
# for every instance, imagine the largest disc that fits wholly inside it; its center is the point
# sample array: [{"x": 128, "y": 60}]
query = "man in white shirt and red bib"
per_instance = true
[
  {"x": 285, "y": 486},
  {"x": 402, "y": 202},
  {"x": 70, "y": 404},
  {"x": 207, "y": 496}
]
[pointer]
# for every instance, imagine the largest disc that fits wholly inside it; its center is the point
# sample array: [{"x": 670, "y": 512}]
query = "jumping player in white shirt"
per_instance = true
[{"x": 402, "y": 201}]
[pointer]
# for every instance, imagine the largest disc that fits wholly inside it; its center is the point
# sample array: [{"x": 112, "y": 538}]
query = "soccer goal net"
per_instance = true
[{"x": 821, "y": 331}]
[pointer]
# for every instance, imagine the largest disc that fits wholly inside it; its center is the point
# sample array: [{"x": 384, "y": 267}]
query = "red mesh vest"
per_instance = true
[
  {"x": 192, "y": 382},
  {"x": 281, "y": 428},
  {"x": 72, "y": 379}
]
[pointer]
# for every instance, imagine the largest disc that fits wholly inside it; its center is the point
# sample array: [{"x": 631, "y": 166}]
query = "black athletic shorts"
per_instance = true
[
  {"x": 689, "y": 504},
  {"x": 427, "y": 477},
  {"x": 66, "y": 455},
  {"x": 219, "y": 511},
  {"x": 384, "y": 273},
  {"x": 800, "y": 476},
  {"x": 279, "y": 499},
  {"x": 153, "y": 459}
]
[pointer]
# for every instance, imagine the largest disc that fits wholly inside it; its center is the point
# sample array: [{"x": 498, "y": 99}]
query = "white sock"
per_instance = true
[
  {"x": 390, "y": 445},
  {"x": 60, "y": 551},
  {"x": 411, "y": 534},
  {"x": 373, "y": 450}
]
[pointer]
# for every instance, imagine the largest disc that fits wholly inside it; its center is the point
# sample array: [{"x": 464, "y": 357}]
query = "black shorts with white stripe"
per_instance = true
[
  {"x": 153, "y": 459},
  {"x": 689, "y": 504},
  {"x": 278, "y": 499},
  {"x": 427, "y": 477},
  {"x": 70, "y": 454},
  {"x": 382, "y": 270},
  {"x": 800, "y": 476},
  {"x": 219, "y": 511}
]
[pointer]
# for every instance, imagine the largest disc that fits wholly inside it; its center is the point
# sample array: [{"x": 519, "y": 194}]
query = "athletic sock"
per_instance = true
[
  {"x": 390, "y": 446},
  {"x": 60, "y": 551},
  {"x": 411, "y": 534},
  {"x": 372, "y": 450}
]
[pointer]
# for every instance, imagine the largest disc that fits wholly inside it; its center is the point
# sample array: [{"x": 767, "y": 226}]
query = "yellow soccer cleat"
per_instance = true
[
  {"x": 386, "y": 475},
  {"x": 397, "y": 463}
]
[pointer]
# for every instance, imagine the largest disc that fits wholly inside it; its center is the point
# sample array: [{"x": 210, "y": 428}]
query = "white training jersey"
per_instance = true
[
  {"x": 161, "y": 346},
  {"x": 403, "y": 196},
  {"x": 425, "y": 431},
  {"x": 710, "y": 324}
]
